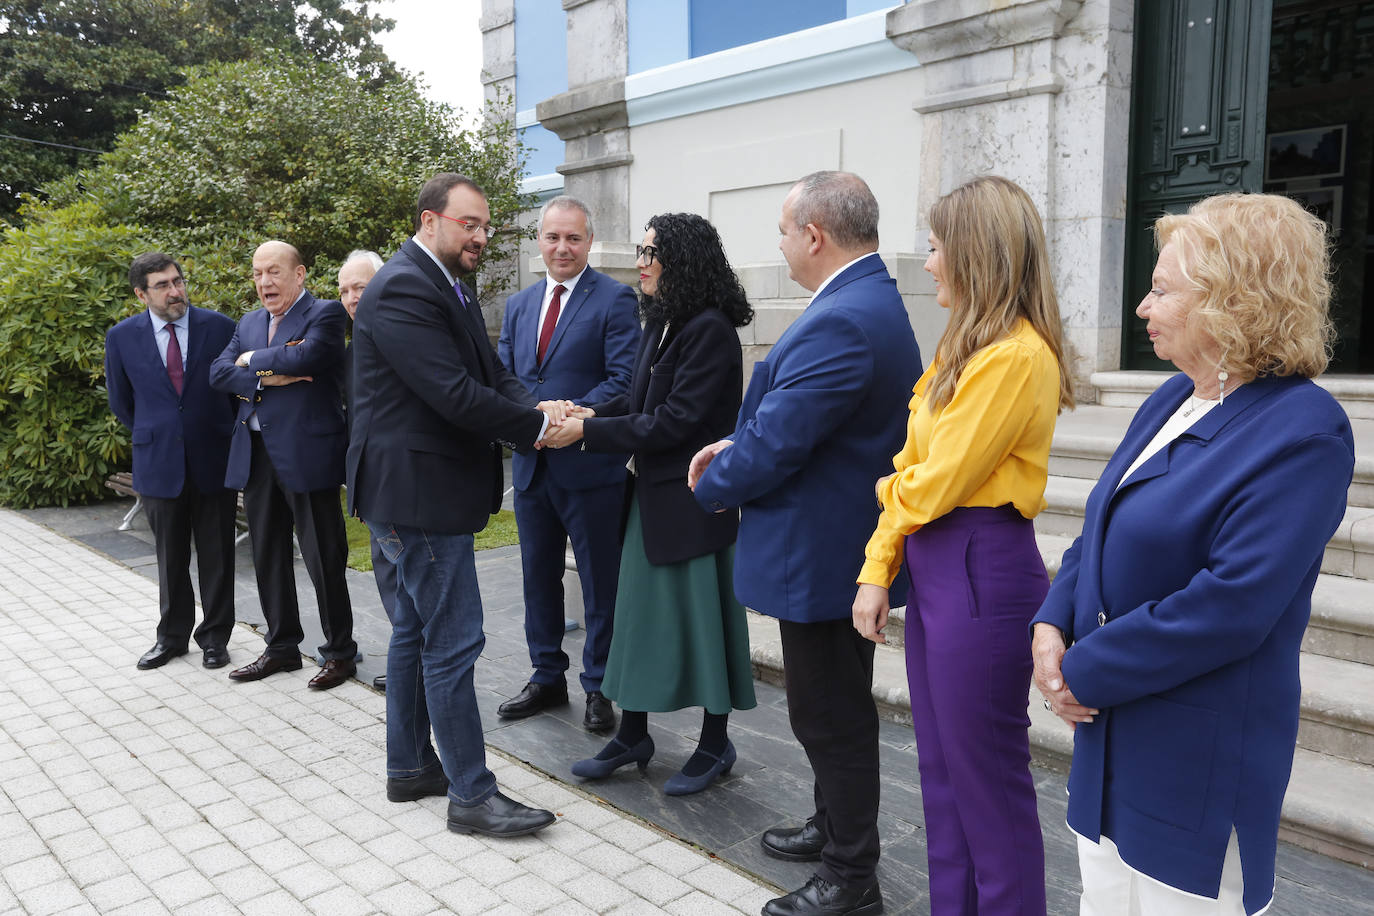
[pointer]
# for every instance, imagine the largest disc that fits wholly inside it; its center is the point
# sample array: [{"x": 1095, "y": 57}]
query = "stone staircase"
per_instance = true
[{"x": 1330, "y": 803}]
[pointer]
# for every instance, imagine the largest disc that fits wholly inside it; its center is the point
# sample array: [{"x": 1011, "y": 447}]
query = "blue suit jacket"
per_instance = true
[
  {"x": 822, "y": 418},
  {"x": 430, "y": 403},
  {"x": 1202, "y": 564},
  {"x": 171, "y": 434},
  {"x": 303, "y": 423},
  {"x": 588, "y": 361}
]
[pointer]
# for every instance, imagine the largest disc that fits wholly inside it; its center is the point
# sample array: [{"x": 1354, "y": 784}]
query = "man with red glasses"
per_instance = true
[{"x": 431, "y": 403}]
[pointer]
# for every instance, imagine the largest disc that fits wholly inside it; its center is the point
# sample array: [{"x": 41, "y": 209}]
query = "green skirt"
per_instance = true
[{"x": 680, "y": 637}]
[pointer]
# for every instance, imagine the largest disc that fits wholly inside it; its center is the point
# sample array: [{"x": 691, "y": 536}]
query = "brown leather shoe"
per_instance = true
[
  {"x": 263, "y": 666},
  {"x": 333, "y": 673}
]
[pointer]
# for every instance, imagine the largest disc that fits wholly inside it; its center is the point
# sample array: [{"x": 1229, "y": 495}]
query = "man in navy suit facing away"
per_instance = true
[
  {"x": 157, "y": 373},
  {"x": 571, "y": 336},
  {"x": 285, "y": 365}
]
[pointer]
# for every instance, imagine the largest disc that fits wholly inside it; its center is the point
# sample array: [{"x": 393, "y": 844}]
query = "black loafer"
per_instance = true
[
  {"x": 795, "y": 844},
  {"x": 600, "y": 715},
  {"x": 215, "y": 657},
  {"x": 498, "y": 816},
  {"x": 534, "y": 698},
  {"x": 159, "y": 655},
  {"x": 379, "y": 682},
  {"x": 818, "y": 897},
  {"x": 414, "y": 788}
]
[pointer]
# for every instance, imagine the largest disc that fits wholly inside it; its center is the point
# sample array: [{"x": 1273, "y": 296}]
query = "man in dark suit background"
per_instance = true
[
  {"x": 822, "y": 418},
  {"x": 570, "y": 336},
  {"x": 285, "y": 365},
  {"x": 431, "y": 402},
  {"x": 157, "y": 373},
  {"x": 356, "y": 271}
]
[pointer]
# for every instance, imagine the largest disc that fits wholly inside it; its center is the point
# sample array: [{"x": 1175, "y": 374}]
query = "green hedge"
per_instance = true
[{"x": 63, "y": 283}]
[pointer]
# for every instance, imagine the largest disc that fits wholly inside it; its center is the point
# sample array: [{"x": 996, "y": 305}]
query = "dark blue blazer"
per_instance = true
[
  {"x": 1202, "y": 564},
  {"x": 302, "y": 423},
  {"x": 171, "y": 435},
  {"x": 822, "y": 418},
  {"x": 589, "y": 360},
  {"x": 431, "y": 402}
]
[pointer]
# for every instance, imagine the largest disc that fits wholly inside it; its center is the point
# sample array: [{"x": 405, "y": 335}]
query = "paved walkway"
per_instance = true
[{"x": 126, "y": 791}]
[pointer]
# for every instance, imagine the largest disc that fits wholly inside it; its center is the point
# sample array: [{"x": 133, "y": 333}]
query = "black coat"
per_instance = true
[
  {"x": 430, "y": 403},
  {"x": 684, "y": 395}
]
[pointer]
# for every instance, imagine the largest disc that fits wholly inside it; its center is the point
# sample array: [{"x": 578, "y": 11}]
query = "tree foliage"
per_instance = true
[
  {"x": 62, "y": 285},
  {"x": 75, "y": 74}
]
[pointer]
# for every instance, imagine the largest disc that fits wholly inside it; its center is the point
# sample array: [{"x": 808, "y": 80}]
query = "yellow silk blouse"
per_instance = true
[{"x": 989, "y": 446}]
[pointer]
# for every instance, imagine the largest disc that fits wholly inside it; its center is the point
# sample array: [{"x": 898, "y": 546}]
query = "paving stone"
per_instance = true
[{"x": 654, "y": 885}]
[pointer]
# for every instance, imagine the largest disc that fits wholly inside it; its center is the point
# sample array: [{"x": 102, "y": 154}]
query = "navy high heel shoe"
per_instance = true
[
  {"x": 640, "y": 754},
  {"x": 682, "y": 784}
]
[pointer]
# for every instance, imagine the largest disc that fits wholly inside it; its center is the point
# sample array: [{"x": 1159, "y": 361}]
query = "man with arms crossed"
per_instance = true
[
  {"x": 157, "y": 372},
  {"x": 822, "y": 418},
  {"x": 431, "y": 402},
  {"x": 285, "y": 364},
  {"x": 572, "y": 336}
]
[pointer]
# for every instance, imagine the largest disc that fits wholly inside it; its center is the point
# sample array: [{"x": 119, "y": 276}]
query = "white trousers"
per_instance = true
[{"x": 1113, "y": 888}]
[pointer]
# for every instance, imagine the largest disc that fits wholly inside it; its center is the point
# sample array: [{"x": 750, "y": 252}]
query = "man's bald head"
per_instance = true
[{"x": 278, "y": 275}]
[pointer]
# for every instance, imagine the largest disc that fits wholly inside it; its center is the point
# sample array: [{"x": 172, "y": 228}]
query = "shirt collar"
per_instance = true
[
  {"x": 183, "y": 322},
  {"x": 820, "y": 289},
  {"x": 568, "y": 285},
  {"x": 435, "y": 258}
]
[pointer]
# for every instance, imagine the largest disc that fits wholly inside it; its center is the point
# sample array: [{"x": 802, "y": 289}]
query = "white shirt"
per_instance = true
[
  {"x": 182, "y": 328},
  {"x": 820, "y": 289},
  {"x": 549, "y": 284},
  {"x": 1189, "y": 412}
]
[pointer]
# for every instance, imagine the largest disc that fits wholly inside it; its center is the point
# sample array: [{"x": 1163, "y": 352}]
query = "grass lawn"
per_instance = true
[{"x": 500, "y": 532}]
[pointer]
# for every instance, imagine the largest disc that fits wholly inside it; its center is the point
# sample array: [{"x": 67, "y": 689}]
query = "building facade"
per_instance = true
[{"x": 1108, "y": 112}]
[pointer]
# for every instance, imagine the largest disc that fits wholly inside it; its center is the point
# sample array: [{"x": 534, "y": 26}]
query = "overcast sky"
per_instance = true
[{"x": 439, "y": 41}]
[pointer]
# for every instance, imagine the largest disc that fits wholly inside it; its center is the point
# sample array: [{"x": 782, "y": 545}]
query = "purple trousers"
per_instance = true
[{"x": 977, "y": 579}]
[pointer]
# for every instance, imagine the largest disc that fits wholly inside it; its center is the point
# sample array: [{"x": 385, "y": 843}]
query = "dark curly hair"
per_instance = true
[{"x": 696, "y": 274}]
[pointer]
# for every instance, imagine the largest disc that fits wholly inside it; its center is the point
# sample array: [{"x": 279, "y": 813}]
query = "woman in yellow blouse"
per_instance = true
[{"x": 967, "y": 483}]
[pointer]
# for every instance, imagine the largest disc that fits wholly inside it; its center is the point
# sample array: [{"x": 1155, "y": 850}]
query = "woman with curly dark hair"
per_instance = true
[{"x": 680, "y": 637}]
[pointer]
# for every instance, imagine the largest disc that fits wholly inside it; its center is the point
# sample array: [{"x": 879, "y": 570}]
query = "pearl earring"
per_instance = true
[{"x": 1221, "y": 379}]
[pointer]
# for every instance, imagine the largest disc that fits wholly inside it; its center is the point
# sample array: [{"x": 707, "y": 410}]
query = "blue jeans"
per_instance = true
[{"x": 436, "y": 637}]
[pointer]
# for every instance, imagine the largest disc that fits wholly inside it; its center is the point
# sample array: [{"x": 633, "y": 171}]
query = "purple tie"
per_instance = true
[{"x": 175, "y": 372}]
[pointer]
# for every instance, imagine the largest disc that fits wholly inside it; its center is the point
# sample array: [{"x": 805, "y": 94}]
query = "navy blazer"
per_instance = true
[
  {"x": 822, "y": 418},
  {"x": 302, "y": 423},
  {"x": 171, "y": 434},
  {"x": 588, "y": 361},
  {"x": 1184, "y": 602},
  {"x": 685, "y": 394},
  {"x": 431, "y": 402}
]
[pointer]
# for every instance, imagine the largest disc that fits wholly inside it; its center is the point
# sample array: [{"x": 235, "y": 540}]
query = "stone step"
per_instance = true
[
  {"x": 1318, "y": 812},
  {"x": 1086, "y": 438},
  {"x": 1350, "y": 552},
  {"x": 1128, "y": 388}
]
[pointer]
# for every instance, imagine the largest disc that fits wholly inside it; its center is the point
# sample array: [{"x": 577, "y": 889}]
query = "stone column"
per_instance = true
[
  {"x": 1037, "y": 91},
  {"x": 590, "y": 119},
  {"x": 497, "y": 23}
]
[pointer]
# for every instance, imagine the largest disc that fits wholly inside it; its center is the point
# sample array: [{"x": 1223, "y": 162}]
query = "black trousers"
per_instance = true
[
  {"x": 209, "y": 518},
  {"x": 828, "y": 668},
  {"x": 317, "y": 517}
]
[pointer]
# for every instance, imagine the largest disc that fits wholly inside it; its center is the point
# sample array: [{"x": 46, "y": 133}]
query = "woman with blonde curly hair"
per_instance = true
[
  {"x": 1170, "y": 637},
  {"x": 968, "y": 481}
]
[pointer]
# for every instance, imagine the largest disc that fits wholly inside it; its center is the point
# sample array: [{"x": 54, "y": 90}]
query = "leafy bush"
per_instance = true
[{"x": 63, "y": 283}]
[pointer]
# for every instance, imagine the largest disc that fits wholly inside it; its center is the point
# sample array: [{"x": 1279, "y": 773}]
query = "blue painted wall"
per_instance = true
[
  {"x": 721, "y": 24},
  {"x": 541, "y": 71}
]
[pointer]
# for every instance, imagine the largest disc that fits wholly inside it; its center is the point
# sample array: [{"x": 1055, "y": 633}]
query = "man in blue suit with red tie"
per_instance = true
[
  {"x": 571, "y": 336},
  {"x": 157, "y": 373},
  {"x": 285, "y": 365}
]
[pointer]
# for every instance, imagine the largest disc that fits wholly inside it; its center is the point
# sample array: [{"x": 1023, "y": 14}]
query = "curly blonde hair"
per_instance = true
[
  {"x": 997, "y": 269},
  {"x": 1262, "y": 266}
]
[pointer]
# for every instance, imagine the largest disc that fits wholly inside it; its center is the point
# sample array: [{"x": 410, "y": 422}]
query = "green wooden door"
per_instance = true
[{"x": 1199, "y": 91}]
